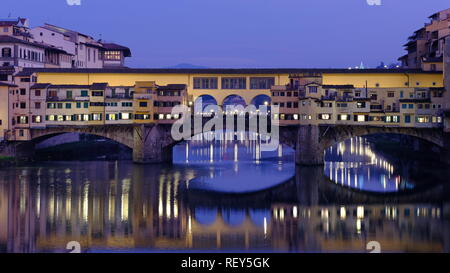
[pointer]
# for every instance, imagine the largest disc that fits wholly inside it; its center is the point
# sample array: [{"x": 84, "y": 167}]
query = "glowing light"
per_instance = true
[
  {"x": 343, "y": 213},
  {"x": 360, "y": 212}
]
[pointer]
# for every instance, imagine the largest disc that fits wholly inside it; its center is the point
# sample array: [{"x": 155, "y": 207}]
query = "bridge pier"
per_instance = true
[
  {"x": 150, "y": 144},
  {"x": 309, "y": 151},
  {"x": 445, "y": 158}
]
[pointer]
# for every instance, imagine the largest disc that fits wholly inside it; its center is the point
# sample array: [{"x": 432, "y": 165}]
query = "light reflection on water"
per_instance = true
[
  {"x": 122, "y": 207},
  {"x": 118, "y": 206},
  {"x": 235, "y": 166},
  {"x": 353, "y": 163}
]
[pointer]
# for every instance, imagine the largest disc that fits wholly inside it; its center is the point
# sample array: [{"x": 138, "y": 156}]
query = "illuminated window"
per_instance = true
[
  {"x": 113, "y": 55},
  {"x": 376, "y": 118},
  {"x": 361, "y": 105},
  {"x": 360, "y": 212},
  {"x": 436, "y": 119},
  {"x": 125, "y": 115},
  {"x": 325, "y": 116},
  {"x": 361, "y": 118},
  {"x": 36, "y": 119},
  {"x": 111, "y": 117},
  {"x": 343, "y": 117},
  {"x": 96, "y": 117},
  {"x": 295, "y": 117},
  {"x": 423, "y": 119},
  {"x": 23, "y": 119}
]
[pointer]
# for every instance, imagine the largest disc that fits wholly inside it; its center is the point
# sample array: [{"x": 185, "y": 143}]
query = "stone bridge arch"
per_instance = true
[
  {"x": 313, "y": 140},
  {"x": 122, "y": 134},
  {"x": 335, "y": 134}
]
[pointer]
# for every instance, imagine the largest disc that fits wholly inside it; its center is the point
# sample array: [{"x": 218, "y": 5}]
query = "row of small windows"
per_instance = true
[
  {"x": 79, "y": 117},
  {"x": 285, "y": 94},
  {"x": 421, "y": 106},
  {"x": 24, "y": 119},
  {"x": 169, "y": 93},
  {"x": 99, "y": 116},
  {"x": 287, "y": 104},
  {"x": 387, "y": 119},
  {"x": 166, "y": 103},
  {"x": 234, "y": 82},
  {"x": 116, "y": 104},
  {"x": 68, "y": 105}
]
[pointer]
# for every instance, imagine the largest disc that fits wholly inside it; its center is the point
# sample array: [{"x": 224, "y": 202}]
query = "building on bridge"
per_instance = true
[{"x": 378, "y": 97}]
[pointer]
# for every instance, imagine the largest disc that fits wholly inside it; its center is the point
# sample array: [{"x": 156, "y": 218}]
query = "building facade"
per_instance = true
[
  {"x": 374, "y": 97},
  {"x": 425, "y": 47}
]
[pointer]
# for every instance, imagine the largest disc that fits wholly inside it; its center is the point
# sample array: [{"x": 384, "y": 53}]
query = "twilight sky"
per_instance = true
[{"x": 241, "y": 33}]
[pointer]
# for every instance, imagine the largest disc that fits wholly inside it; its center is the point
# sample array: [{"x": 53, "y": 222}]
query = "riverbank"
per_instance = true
[{"x": 6, "y": 161}]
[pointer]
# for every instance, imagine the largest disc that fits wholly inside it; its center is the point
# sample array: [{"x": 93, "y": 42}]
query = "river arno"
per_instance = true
[{"x": 117, "y": 206}]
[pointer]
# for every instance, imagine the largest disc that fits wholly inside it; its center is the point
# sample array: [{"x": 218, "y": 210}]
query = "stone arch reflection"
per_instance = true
[
  {"x": 233, "y": 217},
  {"x": 205, "y": 216},
  {"x": 355, "y": 163}
]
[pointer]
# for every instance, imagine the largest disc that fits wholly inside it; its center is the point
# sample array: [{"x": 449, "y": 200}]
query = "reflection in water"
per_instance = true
[
  {"x": 118, "y": 206},
  {"x": 235, "y": 166},
  {"x": 354, "y": 164}
]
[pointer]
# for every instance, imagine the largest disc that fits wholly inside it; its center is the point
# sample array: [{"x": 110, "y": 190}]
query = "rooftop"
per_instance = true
[{"x": 226, "y": 70}]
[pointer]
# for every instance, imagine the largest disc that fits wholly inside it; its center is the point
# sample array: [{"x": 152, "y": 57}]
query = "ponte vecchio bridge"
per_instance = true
[{"x": 317, "y": 107}]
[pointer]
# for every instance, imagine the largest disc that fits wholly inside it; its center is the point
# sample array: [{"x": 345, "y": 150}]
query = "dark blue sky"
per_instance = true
[{"x": 241, "y": 33}]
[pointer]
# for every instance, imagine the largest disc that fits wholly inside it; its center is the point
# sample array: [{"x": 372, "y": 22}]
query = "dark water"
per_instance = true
[{"x": 118, "y": 206}]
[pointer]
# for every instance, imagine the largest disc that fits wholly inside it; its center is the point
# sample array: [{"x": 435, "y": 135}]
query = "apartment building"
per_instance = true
[
  {"x": 167, "y": 97},
  {"x": 119, "y": 105},
  {"x": 382, "y": 97},
  {"x": 425, "y": 47},
  {"x": 384, "y": 103},
  {"x": 52, "y": 46},
  {"x": 44, "y": 105}
]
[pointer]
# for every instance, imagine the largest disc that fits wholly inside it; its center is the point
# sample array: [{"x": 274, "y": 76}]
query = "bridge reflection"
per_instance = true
[{"x": 116, "y": 206}]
